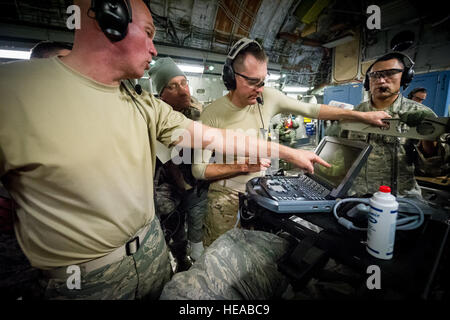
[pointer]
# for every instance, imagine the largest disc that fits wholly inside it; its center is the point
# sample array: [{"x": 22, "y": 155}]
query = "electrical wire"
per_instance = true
[{"x": 406, "y": 223}]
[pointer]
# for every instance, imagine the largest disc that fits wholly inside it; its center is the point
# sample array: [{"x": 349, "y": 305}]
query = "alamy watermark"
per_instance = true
[
  {"x": 374, "y": 20},
  {"x": 374, "y": 280},
  {"x": 74, "y": 280},
  {"x": 74, "y": 20}
]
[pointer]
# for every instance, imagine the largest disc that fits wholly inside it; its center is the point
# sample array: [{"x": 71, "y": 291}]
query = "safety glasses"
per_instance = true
[
  {"x": 384, "y": 73},
  {"x": 252, "y": 82}
]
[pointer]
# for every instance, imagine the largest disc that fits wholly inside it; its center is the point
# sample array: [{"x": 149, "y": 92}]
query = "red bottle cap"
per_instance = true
[{"x": 385, "y": 189}]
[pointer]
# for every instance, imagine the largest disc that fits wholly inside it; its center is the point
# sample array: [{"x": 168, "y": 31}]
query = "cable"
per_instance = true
[
  {"x": 406, "y": 223},
  {"x": 415, "y": 224},
  {"x": 345, "y": 222},
  {"x": 260, "y": 115}
]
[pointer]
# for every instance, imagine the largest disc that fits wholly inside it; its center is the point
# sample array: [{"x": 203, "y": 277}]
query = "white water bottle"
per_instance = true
[{"x": 382, "y": 224}]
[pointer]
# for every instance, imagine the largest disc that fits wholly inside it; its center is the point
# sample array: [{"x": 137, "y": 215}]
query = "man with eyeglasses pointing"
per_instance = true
[{"x": 249, "y": 107}]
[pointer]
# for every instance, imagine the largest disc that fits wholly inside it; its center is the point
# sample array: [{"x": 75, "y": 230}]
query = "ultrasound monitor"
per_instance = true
[
  {"x": 346, "y": 158},
  {"x": 313, "y": 192}
]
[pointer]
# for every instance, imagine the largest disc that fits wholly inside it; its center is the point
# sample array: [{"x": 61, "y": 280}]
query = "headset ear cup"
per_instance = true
[
  {"x": 113, "y": 18},
  {"x": 407, "y": 76},
  {"x": 366, "y": 78},
  {"x": 228, "y": 76},
  {"x": 366, "y": 82}
]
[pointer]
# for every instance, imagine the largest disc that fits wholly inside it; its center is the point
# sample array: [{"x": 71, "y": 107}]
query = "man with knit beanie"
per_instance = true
[{"x": 178, "y": 195}]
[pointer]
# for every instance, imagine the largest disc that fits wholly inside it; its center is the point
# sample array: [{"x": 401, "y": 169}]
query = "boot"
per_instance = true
[
  {"x": 179, "y": 252},
  {"x": 196, "y": 250},
  {"x": 183, "y": 263}
]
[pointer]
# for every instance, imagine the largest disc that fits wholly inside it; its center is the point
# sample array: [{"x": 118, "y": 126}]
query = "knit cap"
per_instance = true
[{"x": 162, "y": 72}]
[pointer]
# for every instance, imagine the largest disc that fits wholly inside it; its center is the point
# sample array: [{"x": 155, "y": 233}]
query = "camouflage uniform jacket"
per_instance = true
[{"x": 378, "y": 169}]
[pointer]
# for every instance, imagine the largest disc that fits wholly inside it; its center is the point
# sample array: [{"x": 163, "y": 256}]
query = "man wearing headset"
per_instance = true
[
  {"x": 383, "y": 81},
  {"x": 77, "y": 154},
  {"x": 249, "y": 106}
]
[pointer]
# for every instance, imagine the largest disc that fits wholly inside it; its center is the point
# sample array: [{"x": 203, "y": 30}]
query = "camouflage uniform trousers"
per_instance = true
[
  {"x": 242, "y": 265},
  {"x": 223, "y": 205},
  {"x": 195, "y": 203},
  {"x": 174, "y": 208},
  {"x": 139, "y": 276},
  {"x": 167, "y": 208},
  {"x": 239, "y": 265}
]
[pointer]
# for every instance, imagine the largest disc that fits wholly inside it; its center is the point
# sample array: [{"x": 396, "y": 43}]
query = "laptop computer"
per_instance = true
[{"x": 318, "y": 191}]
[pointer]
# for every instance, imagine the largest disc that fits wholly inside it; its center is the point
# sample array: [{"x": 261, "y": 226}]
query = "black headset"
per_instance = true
[
  {"x": 407, "y": 74},
  {"x": 113, "y": 17},
  {"x": 228, "y": 76}
]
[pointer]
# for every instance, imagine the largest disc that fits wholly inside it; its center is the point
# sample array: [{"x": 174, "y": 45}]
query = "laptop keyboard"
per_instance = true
[
  {"x": 311, "y": 188},
  {"x": 294, "y": 188}
]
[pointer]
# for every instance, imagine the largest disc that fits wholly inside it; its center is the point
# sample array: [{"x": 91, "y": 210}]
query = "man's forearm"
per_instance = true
[
  {"x": 216, "y": 171},
  {"x": 333, "y": 113},
  {"x": 235, "y": 144},
  {"x": 371, "y": 117}
]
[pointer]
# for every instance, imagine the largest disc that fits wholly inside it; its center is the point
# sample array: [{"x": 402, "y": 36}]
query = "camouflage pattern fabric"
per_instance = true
[
  {"x": 192, "y": 113},
  {"x": 174, "y": 209},
  {"x": 223, "y": 205},
  {"x": 167, "y": 200},
  {"x": 196, "y": 204},
  {"x": 239, "y": 265},
  {"x": 242, "y": 265},
  {"x": 378, "y": 169},
  {"x": 139, "y": 276}
]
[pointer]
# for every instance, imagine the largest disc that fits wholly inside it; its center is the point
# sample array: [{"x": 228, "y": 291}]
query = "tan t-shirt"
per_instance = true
[
  {"x": 223, "y": 114},
  {"x": 78, "y": 157}
]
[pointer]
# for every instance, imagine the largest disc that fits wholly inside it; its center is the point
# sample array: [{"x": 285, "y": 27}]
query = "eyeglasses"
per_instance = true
[
  {"x": 384, "y": 73},
  {"x": 175, "y": 86},
  {"x": 252, "y": 82}
]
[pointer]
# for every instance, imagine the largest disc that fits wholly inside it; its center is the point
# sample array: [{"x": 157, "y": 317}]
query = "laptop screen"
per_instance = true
[{"x": 346, "y": 158}]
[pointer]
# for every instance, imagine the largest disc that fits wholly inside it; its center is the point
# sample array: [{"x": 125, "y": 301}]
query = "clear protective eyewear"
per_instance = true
[
  {"x": 252, "y": 82},
  {"x": 389, "y": 73}
]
